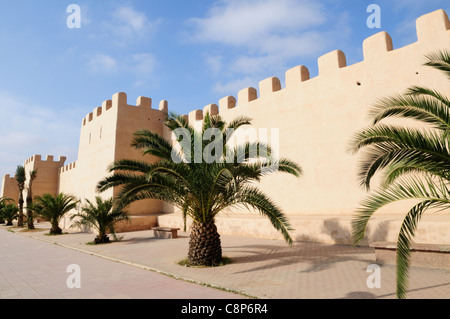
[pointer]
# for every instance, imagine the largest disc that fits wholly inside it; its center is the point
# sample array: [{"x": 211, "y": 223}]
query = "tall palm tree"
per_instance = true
[
  {"x": 201, "y": 188},
  {"x": 53, "y": 208},
  {"x": 102, "y": 215},
  {"x": 21, "y": 178},
  {"x": 415, "y": 161},
  {"x": 9, "y": 212},
  {"x": 33, "y": 175}
]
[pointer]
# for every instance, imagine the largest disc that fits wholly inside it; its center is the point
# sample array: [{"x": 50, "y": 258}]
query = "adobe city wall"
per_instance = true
[{"x": 316, "y": 118}]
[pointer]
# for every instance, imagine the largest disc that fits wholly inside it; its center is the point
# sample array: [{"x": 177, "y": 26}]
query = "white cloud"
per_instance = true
[
  {"x": 142, "y": 66},
  {"x": 244, "y": 22},
  {"x": 102, "y": 64},
  {"x": 264, "y": 36},
  {"x": 127, "y": 22}
]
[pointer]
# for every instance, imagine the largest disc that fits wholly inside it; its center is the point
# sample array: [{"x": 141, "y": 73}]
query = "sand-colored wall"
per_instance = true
[
  {"x": 133, "y": 118},
  {"x": 47, "y": 178},
  {"x": 315, "y": 117},
  {"x": 9, "y": 188},
  {"x": 106, "y": 136}
]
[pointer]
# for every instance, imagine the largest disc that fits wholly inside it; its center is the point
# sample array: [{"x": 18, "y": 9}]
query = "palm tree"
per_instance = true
[
  {"x": 415, "y": 161},
  {"x": 20, "y": 177},
  {"x": 33, "y": 175},
  {"x": 102, "y": 215},
  {"x": 3, "y": 203},
  {"x": 9, "y": 212},
  {"x": 53, "y": 208},
  {"x": 201, "y": 188}
]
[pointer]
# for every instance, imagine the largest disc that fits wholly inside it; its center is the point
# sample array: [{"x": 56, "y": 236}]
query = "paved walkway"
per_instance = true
[
  {"x": 32, "y": 269},
  {"x": 260, "y": 268}
]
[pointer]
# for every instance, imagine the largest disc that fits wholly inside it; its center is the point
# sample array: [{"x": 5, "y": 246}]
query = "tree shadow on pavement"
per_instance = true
[{"x": 311, "y": 257}]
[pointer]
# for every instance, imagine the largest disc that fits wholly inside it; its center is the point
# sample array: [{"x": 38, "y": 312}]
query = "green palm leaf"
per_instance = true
[
  {"x": 415, "y": 161},
  {"x": 440, "y": 61}
]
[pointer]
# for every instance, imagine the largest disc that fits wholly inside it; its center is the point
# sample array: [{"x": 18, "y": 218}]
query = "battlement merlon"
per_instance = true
[
  {"x": 68, "y": 167},
  {"x": 120, "y": 100},
  {"x": 9, "y": 187},
  {"x": 332, "y": 61},
  {"x": 196, "y": 115},
  {"x": 376, "y": 45},
  {"x": 431, "y": 26},
  {"x": 226, "y": 103},
  {"x": 269, "y": 86},
  {"x": 49, "y": 159},
  {"x": 296, "y": 75}
]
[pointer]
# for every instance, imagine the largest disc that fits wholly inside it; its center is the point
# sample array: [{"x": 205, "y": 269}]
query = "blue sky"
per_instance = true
[{"x": 189, "y": 52}]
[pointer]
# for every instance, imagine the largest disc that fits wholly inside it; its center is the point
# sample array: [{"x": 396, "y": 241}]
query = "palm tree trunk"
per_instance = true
[
  {"x": 30, "y": 223},
  {"x": 55, "y": 230},
  {"x": 20, "y": 218},
  {"x": 102, "y": 239},
  {"x": 205, "y": 248}
]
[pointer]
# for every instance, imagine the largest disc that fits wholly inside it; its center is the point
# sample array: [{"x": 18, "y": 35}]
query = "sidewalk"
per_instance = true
[{"x": 263, "y": 268}]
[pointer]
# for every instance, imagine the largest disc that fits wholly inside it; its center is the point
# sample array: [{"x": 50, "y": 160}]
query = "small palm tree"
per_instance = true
[
  {"x": 201, "y": 188},
  {"x": 53, "y": 208},
  {"x": 21, "y": 178},
  {"x": 33, "y": 175},
  {"x": 102, "y": 215},
  {"x": 9, "y": 213},
  {"x": 415, "y": 161},
  {"x": 3, "y": 203}
]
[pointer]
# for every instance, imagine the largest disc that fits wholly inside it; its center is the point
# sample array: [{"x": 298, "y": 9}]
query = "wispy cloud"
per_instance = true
[
  {"x": 122, "y": 30},
  {"x": 142, "y": 66},
  {"x": 262, "y": 36},
  {"x": 28, "y": 128},
  {"x": 247, "y": 22},
  {"x": 127, "y": 23},
  {"x": 102, "y": 64}
]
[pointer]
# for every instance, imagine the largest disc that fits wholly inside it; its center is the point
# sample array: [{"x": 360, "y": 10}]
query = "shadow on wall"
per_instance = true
[{"x": 336, "y": 231}]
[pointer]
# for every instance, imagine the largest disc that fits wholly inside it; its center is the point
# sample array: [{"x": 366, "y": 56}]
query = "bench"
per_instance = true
[
  {"x": 422, "y": 255},
  {"x": 165, "y": 232}
]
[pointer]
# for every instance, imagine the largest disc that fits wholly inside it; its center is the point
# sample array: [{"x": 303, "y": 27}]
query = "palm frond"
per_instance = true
[
  {"x": 388, "y": 145},
  {"x": 439, "y": 60},
  {"x": 405, "y": 237},
  {"x": 153, "y": 144},
  {"x": 411, "y": 187},
  {"x": 419, "y": 104}
]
